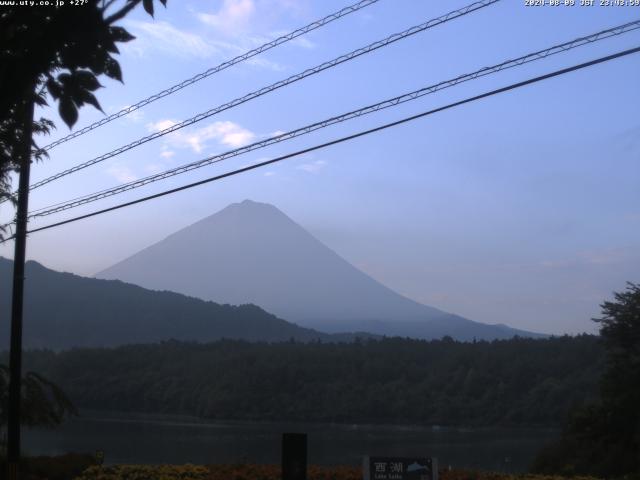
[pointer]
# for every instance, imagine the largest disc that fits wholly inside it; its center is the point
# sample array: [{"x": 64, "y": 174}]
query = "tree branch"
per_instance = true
[
  {"x": 106, "y": 5},
  {"x": 120, "y": 14}
]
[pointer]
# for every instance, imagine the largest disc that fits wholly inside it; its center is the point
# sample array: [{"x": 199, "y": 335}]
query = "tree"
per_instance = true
[
  {"x": 59, "y": 52},
  {"x": 44, "y": 403},
  {"x": 620, "y": 387},
  {"x": 604, "y": 438},
  {"x": 55, "y": 52}
]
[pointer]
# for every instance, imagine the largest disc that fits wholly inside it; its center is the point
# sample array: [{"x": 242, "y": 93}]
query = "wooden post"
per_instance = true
[
  {"x": 15, "y": 352},
  {"x": 294, "y": 456},
  {"x": 366, "y": 472}
]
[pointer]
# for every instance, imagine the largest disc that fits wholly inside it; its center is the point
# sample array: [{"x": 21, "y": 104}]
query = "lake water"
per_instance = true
[{"x": 152, "y": 439}]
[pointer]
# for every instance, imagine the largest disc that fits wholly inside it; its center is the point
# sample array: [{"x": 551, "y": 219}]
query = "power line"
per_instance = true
[
  {"x": 538, "y": 55},
  {"x": 344, "y": 139},
  {"x": 218, "y": 68},
  {"x": 282, "y": 83}
]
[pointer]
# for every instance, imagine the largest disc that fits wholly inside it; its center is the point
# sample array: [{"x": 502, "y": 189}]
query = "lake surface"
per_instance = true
[{"x": 152, "y": 439}]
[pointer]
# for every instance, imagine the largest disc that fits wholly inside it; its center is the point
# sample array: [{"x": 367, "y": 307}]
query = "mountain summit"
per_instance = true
[{"x": 251, "y": 252}]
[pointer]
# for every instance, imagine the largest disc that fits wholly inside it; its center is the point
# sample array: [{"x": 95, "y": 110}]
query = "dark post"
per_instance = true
[
  {"x": 294, "y": 456},
  {"x": 15, "y": 353}
]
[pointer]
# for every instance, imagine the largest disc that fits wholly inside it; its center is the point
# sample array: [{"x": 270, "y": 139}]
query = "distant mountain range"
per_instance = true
[
  {"x": 252, "y": 253},
  {"x": 63, "y": 310}
]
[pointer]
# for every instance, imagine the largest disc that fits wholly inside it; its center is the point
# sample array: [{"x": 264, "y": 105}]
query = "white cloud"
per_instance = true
[
  {"x": 153, "y": 168},
  {"x": 121, "y": 173},
  {"x": 226, "y": 133},
  {"x": 135, "y": 116},
  {"x": 269, "y": 174},
  {"x": 167, "y": 154},
  {"x": 265, "y": 63},
  {"x": 161, "y": 125},
  {"x": 231, "y": 134},
  {"x": 313, "y": 167},
  {"x": 608, "y": 256},
  {"x": 233, "y": 16},
  {"x": 557, "y": 263},
  {"x": 601, "y": 257},
  {"x": 302, "y": 42},
  {"x": 168, "y": 39},
  {"x": 364, "y": 17},
  {"x": 248, "y": 21},
  {"x": 231, "y": 36}
]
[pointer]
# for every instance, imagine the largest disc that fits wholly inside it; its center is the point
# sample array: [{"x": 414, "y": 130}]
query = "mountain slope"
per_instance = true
[
  {"x": 63, "y": 310},
  {"x": 251, "y": 252}
]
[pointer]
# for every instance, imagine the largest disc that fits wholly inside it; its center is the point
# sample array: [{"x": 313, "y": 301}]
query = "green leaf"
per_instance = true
[
  {"x": 110, "y": 46},
  {"x": 112, "y": 69},
  {"x": 64, "y": 79},
  {"x": 87, "y": 80},
  {"x": 90, "y": 98},
  {"x": 43, "y": 126},
  {"x": 119, "y": 34},
  {"x": 68, "y": 111},
  {"x": 148, "y": 6},
  {"x": 40, "y": 100},
  {"x": 97, "y": 61}
]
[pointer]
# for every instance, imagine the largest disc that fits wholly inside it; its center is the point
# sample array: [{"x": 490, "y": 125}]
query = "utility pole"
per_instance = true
[{"x": 15, "y": 352}]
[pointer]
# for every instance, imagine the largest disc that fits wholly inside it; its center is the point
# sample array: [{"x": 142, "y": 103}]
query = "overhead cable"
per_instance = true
[
  {"x": 342, "y": 139},
  {"x": 282, "y": 83},
  {"x": 392, "y": 102},
  {"x": 218, "y": 68}
]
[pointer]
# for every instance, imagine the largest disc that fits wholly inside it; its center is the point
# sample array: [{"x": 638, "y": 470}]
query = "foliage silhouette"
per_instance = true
[
  {"x": 44, "y": 404},
  {"x": 57, "y": 52},
  {"x": 603, "y": 438}
]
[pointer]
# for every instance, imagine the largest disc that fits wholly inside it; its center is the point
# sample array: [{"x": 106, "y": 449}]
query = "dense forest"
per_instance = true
[
  {"x": 602, "y": 438},
  {"x": 506, "y": 382}
]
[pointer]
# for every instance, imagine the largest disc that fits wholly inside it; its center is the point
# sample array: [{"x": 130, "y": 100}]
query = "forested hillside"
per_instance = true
[
  {"x": 63, "y": 310},
  {"x": 507, "y": 382}
]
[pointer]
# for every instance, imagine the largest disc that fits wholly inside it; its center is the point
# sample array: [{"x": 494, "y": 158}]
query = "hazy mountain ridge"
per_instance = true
[
  {"x": 63, "y": 310},
  {"x": 251, "y": 252}
]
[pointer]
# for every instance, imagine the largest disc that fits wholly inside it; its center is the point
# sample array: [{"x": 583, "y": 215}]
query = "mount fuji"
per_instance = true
[{"x": 251, "y": 252}]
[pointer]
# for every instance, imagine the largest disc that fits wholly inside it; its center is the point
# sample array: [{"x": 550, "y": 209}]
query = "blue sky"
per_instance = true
[{"x": 520, "y": 209}]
